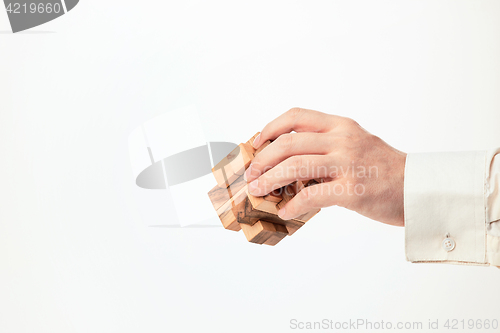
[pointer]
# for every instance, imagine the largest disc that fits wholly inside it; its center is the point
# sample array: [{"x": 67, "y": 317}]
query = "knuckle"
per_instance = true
[
  {"x": 353, "y": 156},
  {"x": 374, "y": 140},
  {"x": 297, "y": 163},
  {"x": 353, "y": 122},
  {"x": 296, "y": 112},
  {"x": 285, "y": 142},
  {"x": 350, "y": 123}
]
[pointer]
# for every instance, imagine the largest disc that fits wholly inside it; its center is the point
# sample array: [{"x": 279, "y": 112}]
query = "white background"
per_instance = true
[{"x": 76, "y": 255}]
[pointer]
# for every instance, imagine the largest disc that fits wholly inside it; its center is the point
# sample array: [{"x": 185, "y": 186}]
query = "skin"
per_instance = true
[{"x": 358, "y": 170}]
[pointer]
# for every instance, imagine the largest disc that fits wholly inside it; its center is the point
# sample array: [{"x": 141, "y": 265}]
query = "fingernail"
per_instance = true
[
  {"x": 247, "y": 173},
  {"x": 253, "y": 187},
  {"x": 256, "y": 141},
  {"x": 281, "y": 213}
]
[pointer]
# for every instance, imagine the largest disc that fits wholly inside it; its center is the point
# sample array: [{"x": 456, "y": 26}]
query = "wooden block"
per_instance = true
[
  {"x": 289, "y": 192},
  {"x": 258, "y": 233},
  {"x": 267, "y": 143},
  {"x": 272, "y": 203},
  {"x": 257, "y": 216},
  {"x": 219, "y": 195},
  {"x": 238, "y": 202},
  {"x": 236, "y": 186},
  {"x": 225, "y": 212},
  {"x": 229, "y": 221},
  {"x": 223, "y": 173},
  {"x": 274, "y": 196},
  {"x": 233, "y": 165},
  {"x": 312, "y": 182},
  {"x": 293, "y": 189},
  {"x": 241, "y": 162},
  {"x": 262, "y": 204},
  {"x": 309, "y": 182},
  {"x": 297, "y": 186},
  {"x": 292, "y": 227},
  {"x": 251, "y": 215},
  {"x": 276, "y": 237},
  {"x": 238, "y": 207},
  {"x": 219, "y": 175},
  {"x": 243, "y": 219}
]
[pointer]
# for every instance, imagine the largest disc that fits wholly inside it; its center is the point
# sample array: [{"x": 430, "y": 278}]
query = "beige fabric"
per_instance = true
[
  {"x": 493, "y": 192},
  {"x": 455, "y": 193}
]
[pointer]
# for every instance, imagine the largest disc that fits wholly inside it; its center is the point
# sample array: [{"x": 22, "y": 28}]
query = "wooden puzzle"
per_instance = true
[{"x": 256, "y": 216}]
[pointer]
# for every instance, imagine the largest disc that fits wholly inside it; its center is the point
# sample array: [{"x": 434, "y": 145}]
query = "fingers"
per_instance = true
[
  {"x": 312, "y": 197},
  {"x": 298, "y": 120},
  {"x": 299, "y": 167},
  {"x": 285, "y": 146}
]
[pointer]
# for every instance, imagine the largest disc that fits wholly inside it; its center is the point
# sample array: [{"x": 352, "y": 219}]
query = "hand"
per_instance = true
[{"x": 359, "y": 171}]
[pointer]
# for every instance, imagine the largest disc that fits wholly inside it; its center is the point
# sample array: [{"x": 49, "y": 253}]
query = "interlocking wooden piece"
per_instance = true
[
  {"x": 312, "y": 182},
  {"x": 276, "y": 237},
  {"x": 226, "y": 214},
  {"x": 219, "y": 195},
  {"x": 257, "y": 216},
  {"x": 262, "y": 204},
  {"x": 292, "y": 228},
  {"x": 233, "y": 165},
  {"x": 264, "y": 232},
  {"x": 228, "y": 219},
  {"x": 247, "y": 214},
  {"x": 274, "y": 196},
  {"x": 259, "y": 232},
  {"x": 289, "y": 192},
  {"x": 240, "y": 160}
]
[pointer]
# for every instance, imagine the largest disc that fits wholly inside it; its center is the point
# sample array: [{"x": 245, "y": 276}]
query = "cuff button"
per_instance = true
[{"x": 448, "y": 243}]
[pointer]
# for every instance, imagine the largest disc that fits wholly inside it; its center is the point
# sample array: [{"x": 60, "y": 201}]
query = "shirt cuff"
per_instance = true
[{"x": 444, "y": 207}]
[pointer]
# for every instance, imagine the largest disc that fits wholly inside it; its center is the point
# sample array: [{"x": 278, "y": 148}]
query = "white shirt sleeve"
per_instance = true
[{"x": 452, "y": 208}]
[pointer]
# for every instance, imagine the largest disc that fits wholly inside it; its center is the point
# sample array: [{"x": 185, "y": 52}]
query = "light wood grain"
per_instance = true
[
  {"x": 229, "y": 221},
  {"x": 258, "y": 233},
  {"x": 274, "y": 196},
  {"x": 293, "y": 226},
  {"x": 280, "y": 233},
  {"x": 289, "y": 192},
  {"x": 241, "y": 161},
  {"x": 256, "y": 216},
  {"x": 233, "y": 165},
  {"x": 260, "y": 203},
  {"x": 225, "y": 212},
  {"x": 219, "y": 195}
]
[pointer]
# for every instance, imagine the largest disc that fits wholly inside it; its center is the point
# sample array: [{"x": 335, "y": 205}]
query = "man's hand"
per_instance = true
[{"x": 358, "y": 170}]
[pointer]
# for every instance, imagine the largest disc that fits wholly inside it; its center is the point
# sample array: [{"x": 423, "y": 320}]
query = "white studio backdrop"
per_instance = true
[{"x": 78, "y": 252}]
